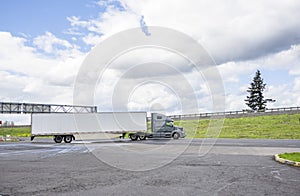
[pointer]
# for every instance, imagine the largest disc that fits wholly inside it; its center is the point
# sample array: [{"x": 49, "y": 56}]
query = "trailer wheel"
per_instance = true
[
  {"x": 175, "y": 136},
  {"x": 58, "y": 138},
  {"x": 68, "y": 138},
  {"x": 133, "y": 137},
  {"x": 142, "y": 137}
]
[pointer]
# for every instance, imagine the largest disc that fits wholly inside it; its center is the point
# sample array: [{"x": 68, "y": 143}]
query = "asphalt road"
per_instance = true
[
  {"x": 231, "y": 142},
  {"x": 152, "y": 167}
]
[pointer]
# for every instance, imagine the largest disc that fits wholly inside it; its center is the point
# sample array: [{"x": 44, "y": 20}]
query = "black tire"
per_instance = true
[
  {"x": 133, "y": 137},
  {"x": 142, "y": 137},
  {"x": 68, "y": 138},
  {"x": 58, "y": 138},
  {"x": 176, "y": 136}
]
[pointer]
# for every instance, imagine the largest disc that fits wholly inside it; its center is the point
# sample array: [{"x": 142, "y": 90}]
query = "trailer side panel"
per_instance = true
[{"x": 76, "y": 123}]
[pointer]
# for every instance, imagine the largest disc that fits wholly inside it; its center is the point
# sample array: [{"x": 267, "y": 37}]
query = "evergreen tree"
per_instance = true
[{"x": 256, "y": 99}]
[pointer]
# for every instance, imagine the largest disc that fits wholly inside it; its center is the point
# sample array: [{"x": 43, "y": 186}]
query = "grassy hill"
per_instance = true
[{"x": 285, "y": 126}]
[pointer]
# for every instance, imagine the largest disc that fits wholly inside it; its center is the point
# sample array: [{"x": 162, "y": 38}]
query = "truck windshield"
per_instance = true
[{"x": 169, "y": 123}]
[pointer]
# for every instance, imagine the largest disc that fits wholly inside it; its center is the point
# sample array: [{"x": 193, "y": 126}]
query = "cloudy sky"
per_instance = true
[{"x": 43, "y": 45}]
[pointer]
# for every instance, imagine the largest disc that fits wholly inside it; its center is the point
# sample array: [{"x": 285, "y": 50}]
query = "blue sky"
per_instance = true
[
  {"x": 43, "y": 44},
  {"x": 34, "y": 17}
]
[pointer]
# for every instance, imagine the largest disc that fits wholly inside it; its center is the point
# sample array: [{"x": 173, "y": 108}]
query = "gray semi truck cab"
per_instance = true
[{"x": 161, "y": 127}]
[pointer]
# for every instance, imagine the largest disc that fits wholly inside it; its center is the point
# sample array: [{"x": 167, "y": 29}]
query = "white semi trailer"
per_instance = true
[{"x": 63, "y": 126}]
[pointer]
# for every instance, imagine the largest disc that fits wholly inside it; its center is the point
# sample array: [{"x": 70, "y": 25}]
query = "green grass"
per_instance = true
[
  {"x": 15, "y": 131},
  {"x": 294, "y": 156},
  {"x": 266, "y": 127}
]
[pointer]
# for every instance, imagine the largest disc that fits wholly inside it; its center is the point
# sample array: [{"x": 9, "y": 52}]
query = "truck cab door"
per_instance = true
[
  {"x": 156, "y": 134},
  {"x": 163, "y": 132}
]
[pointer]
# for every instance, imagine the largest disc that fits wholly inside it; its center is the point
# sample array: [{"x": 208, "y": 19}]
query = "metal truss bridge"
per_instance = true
[{"x": 28, "y": 108}]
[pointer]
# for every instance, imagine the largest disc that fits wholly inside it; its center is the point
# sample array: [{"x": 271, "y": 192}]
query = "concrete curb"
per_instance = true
[{"x": 285, "y": 161}]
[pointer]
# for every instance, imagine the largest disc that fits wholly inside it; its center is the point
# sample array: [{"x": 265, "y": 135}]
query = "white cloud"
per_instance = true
[
  {"x": 76, "y": 22},
  {"x": 92, "y": 39},
  {"x": 231, "y": 30},
  {"x": 149, "y": 67},
  {"x": 153, "y": 97},
  {"x": 232, "y": 71},
  {"x": 110, "y": 4},
  {"x": 234, "y": 30},
  {"x": 49, "y": 43},
  {"x": 296, "y": 85},
  {"x": 285, "y": 59},
  {"x": 106, "y": 24},
  {"x": 235, "y": 102},
  {"x": 27, "y": 75},
  {"x": 284, "y": 96}
]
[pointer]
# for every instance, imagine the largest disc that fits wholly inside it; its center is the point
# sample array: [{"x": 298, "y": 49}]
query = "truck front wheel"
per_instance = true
[
  {"x": 176, "y": 136},
  {"x": 58, "y": 138},
  {"x": 68, "y": 138}
]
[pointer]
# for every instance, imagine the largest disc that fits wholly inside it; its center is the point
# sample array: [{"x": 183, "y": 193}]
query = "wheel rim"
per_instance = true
[
  {"x": 175, "y": 135},
  {"x": 68, "y": 139},
  {"x": 58, "y": 139},
  {"x": 133, "y": 137}
]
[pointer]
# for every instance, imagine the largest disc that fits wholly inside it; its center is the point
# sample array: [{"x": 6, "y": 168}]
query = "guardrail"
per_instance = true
[{"x": 233, "y": 114}]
